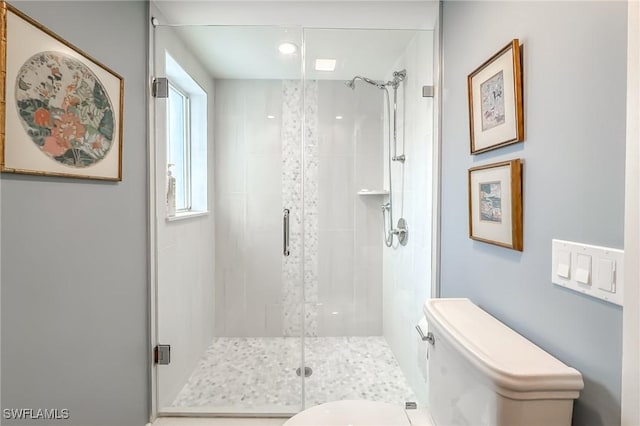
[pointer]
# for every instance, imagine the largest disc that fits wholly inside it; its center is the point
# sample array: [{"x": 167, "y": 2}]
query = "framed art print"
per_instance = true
[
  {"x": 495, "y": 204},
  {"x": 61, "y": 109},
  {"x": 496, "y": 116}
]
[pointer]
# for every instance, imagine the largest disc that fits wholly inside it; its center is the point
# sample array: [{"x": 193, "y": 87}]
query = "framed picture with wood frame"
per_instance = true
[
  {"x": 60, "y": 109},
  {"x": 496, "y": 116},
  {"x": 495, "y": 204}
]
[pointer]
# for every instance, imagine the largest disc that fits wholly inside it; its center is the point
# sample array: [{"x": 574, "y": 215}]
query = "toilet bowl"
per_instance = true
[
  {"x": 480, "y": 372},
  {"x": 359, "y": 413}
]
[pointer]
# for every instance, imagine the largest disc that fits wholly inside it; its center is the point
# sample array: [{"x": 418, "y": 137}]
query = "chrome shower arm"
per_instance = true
[{"x": 352, "y": 83}]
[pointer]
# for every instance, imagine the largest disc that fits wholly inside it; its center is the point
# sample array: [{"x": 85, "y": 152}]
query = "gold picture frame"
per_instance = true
[
  {"x": 495, "y": 204},
  {"x": 496, "y": 113},
  {"x": 61, "y": 110}
]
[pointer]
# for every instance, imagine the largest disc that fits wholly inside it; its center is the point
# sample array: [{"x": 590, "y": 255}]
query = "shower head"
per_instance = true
[
  {"x": 352, "y": 83},
  {"x": 400, "y": 75}
]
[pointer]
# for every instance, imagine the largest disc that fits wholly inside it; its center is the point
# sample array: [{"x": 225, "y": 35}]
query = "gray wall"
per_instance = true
[
  {"x": 74, "y": 280},
  {"x": 574, "y": 91}
]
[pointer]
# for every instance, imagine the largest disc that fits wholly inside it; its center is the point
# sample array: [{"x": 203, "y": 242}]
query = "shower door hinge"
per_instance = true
[
  {"x": 162, "y": 354},
  {"x": 160, "y": 87}
]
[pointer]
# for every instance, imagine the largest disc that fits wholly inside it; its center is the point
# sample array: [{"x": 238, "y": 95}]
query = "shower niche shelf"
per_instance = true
[{"x": 373, "y": 192}]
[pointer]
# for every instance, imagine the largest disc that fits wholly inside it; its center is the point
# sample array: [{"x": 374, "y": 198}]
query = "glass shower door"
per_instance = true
[
  {"x": 229, "y": 269},
  {"x": 360, "y": 309}
]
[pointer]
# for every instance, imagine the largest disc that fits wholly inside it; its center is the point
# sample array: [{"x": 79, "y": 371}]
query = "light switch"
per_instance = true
[
  {"x": 564, "y": 264},
  {"x": 605, "y": 275},
  {"x": 589, "y": 270},
  {"x": 583, "y": 268}
]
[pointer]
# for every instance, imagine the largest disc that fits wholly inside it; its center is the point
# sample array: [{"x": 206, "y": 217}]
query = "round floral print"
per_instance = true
[{"x": 65, "y": 109}]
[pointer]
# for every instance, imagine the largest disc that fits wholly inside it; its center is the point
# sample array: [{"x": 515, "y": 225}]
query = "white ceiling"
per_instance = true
[
  {"x": 252, "y": 52},
  {"x": 211, "y": 30},
  {"x": 399, "y": 14}
]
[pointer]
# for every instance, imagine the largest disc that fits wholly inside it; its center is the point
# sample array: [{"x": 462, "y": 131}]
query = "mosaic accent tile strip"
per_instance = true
[
  {"x": 294, "y": 169},
  {"x": 245, "y": 373},
  {"x": 311, "y": 195},
  {"x": 292, "y": 200}
]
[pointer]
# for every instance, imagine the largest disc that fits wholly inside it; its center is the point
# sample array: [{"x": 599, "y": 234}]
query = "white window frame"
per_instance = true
[
  {"x": 186, "y": 117},
  {"x": 196, "y": 125}
]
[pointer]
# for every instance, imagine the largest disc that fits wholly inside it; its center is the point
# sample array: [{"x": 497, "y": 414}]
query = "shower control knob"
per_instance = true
[{"x": 402, "y": 231}]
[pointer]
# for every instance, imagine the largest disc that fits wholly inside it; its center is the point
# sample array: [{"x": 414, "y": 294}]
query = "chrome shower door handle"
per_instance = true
[{"x": 285, "y": 232}]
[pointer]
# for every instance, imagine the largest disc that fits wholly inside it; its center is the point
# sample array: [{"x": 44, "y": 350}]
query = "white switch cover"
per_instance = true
[
  {"x": 564, "y": 264},
  {"x": 583, "y": 268},
  {"x": 605, "y": 280},
  {"x": 595, "y": 271}
]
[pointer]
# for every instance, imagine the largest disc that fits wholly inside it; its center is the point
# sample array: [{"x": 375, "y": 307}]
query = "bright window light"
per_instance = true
[{"x": 325, "y": 64}]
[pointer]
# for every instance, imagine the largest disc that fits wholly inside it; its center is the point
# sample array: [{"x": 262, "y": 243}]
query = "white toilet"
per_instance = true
[{"x": 480, "y": 372}]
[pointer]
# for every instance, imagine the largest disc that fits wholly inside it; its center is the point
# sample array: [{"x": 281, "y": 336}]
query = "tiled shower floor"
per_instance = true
[{"x": 259, "y": 374}]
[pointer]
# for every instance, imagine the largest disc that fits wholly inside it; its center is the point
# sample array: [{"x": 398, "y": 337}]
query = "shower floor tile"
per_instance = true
[{"x": 259, "y": 374}]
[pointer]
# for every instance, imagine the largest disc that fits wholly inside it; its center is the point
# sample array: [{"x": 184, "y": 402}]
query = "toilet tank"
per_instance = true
[{"x": 481, "y": 372}]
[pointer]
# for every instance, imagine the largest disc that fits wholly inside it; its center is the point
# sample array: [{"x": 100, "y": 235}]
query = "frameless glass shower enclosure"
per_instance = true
[{"x": 279, "y": 291}]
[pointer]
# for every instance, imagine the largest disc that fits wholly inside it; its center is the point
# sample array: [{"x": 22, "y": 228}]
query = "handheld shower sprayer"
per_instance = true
[{"x": 400, "y": 231}]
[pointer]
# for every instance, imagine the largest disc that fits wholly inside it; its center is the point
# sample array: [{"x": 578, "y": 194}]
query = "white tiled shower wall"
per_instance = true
[
  {"x": 349, "y": 226},
  {"x": 258, "y": 173},
  {"x": 248, "y": 210},
  {"x": 407, "y": 270}
]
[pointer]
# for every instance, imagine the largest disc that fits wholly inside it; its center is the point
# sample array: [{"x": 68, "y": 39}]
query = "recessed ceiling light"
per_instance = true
[
  {"x": 338, "y": 117},
  {"x": 325, "y": 64},
  {"x": 271, "y": 116},
  {"x": 287, "y": 48}
]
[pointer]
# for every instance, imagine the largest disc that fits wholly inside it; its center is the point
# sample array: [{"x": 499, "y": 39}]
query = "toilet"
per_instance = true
[{"x": 480, "y": 372}]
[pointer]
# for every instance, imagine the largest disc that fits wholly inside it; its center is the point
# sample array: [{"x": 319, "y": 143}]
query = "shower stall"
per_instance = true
[{"x": 301, "y": 279}]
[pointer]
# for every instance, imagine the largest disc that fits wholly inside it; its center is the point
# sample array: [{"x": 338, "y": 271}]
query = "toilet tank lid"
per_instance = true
[{"x": 508, "y": 359}]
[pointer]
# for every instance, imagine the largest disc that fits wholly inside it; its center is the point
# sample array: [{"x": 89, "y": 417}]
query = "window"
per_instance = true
[
  {"x": 186, "y": 139},
  {"x": 179, "y": 146}
]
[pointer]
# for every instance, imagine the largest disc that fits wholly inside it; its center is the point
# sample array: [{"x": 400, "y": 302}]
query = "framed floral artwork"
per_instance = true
[
  {"x": 61, "y": 110},
  {"x": 495, "y": 204},
  {"x": 496, "y": 116}
]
